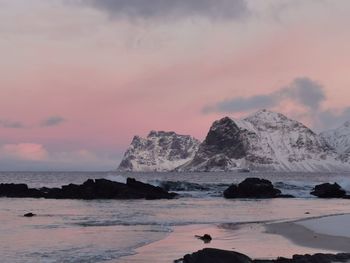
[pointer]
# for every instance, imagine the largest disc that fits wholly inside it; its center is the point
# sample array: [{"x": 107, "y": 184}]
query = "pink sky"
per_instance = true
[{"x": 77, "y": 82}]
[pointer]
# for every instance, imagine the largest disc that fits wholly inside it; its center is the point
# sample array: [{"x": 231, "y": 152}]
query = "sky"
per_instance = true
[{"x": 80, "y": 78}]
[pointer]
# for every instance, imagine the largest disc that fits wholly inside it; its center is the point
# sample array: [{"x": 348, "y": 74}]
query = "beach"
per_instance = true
[{"x": 257, "y": 240}]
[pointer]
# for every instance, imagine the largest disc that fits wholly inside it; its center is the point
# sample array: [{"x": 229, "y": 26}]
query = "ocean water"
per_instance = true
[{"x": 109, "y": 230}]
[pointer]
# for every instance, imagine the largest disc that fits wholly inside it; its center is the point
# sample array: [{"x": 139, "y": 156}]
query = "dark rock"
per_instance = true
[
  {"x": 149, "y": 191},
  {"x": 217, "y": 149},
  {"x": 206, "y": 238},
  {"x": 253, "y": 188},
  {"x": 18, "y": 190},
  {"x": 328, "y": 190},
  {"x": 91, "y": 189},
  {"x": 29, "y": 215},
  {"x": 211, "y": 255}
]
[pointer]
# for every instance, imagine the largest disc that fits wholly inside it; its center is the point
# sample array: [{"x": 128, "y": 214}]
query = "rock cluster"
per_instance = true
[
  {"x": 253, "y": 188},
  {"x": 90, "y": 189},
  {"x": 328, "y": 190},
  {"x": 212, "y": 255}
]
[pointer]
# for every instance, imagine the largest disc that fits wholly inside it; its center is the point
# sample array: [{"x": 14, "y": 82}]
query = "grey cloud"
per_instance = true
[
  {"x": 303, "y": 90},
  {"x": 148, "y": 9},
  {"x": 52, "y": 121},
  {"x": 243, "y": 104},
  {"x": 11, "y": 124}
]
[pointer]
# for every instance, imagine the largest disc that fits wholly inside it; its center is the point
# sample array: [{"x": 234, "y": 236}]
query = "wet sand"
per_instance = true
[
  {"x": 250, "y": 239},
  {"x": 304, "y": 233}
]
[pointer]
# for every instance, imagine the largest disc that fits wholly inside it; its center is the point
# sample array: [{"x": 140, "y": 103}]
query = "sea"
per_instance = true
[{"x": 112, "y": 230}]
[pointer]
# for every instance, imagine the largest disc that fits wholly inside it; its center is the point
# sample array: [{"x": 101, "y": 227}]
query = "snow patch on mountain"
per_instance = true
[
  {"x": 160, "y": 151},
  {"x": 339, "y": 138},
  {"x": 264, "y": 141}
]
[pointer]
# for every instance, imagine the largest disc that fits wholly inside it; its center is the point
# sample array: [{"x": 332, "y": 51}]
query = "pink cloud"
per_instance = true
[{"x": 24, "y": 151}]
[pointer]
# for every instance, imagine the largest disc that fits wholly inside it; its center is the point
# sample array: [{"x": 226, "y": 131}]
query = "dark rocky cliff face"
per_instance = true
[
  {"x": 224, "y": 142},
  {"x": 224, "y": 137}
]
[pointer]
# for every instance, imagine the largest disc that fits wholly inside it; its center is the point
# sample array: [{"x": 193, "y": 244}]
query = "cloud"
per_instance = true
[
  {"x": 52, "y": 121},
  {"x": 242, "y": 104},
  {"x": 304, "y": 91},
  {"x": 331, "y": 118},
  {"x": 149, "y": 9},
  {"x": 24, "y": 151},
  {"x": 11, "y": 124},
  {"x": 34, "y": 156}
]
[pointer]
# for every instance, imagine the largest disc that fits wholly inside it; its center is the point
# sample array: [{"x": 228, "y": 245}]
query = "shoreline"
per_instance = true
[
  {"x": 256, "y": 240},
  {"x": 303, "y": 234}
]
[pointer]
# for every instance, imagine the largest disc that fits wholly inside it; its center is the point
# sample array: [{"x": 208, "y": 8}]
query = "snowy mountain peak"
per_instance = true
[
  {"x": 265, "y": 140},
  {"x": 347, "y": 124},
  {"x": 160, "y": 133},
  {"x": 339, "y": 138},
  {"x": 159, "y": 151}
]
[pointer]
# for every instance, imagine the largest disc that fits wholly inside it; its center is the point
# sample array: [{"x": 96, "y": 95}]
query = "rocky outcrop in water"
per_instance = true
[
  {"x": 253, "y": 188},
  {"x": 328, "y": 190},
  {"x": 212, "y": 255},
  {"x": 90, "y": 189}
]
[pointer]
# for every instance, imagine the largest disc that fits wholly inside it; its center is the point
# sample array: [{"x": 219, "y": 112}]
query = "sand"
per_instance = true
[
  {"x": 250, "y": 239},
  {"x": 329, "y": 233},
  {"x": 329, "y": 225},
  {"x": 263, "y": 241}
]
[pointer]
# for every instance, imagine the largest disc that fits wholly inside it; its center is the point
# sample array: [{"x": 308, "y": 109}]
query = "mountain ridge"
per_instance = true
[{"x": 265, "y": 140}]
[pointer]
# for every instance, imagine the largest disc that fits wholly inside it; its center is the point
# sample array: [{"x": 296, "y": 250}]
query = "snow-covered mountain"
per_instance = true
[
  {"x": 339, "y": 138},
  {"x": 264, "y": 141},
  {"x": 160, "y": 151}
]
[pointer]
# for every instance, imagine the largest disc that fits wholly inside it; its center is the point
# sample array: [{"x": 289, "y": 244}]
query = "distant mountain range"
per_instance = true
[{"x": 265, "y": 140}]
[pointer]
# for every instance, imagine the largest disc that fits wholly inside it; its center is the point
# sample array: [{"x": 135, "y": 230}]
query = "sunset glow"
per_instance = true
[{"x": 79, "y": 79}]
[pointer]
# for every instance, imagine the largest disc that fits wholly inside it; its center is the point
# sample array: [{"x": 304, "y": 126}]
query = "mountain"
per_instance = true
[
  {"x": 160, "y": 151},
  {"x": 263, "y": 141},
  {"x": 339, "y": 138}
]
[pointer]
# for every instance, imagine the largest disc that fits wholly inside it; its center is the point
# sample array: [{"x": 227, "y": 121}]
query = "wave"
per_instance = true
[{"x": 182, "y": 186}]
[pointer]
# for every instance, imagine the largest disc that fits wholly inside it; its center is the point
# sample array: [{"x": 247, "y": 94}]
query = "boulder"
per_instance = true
[
  {"x": 149, "y": 191},
  {"x": 253, "y": 188},
  {"x": 212, "y": 255},
  {"x": 18, "y": 190},
  {"x": 29, "y": 215},
  {"x": 206, "y": 238},
  {"x": 328, "y": 190}
]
